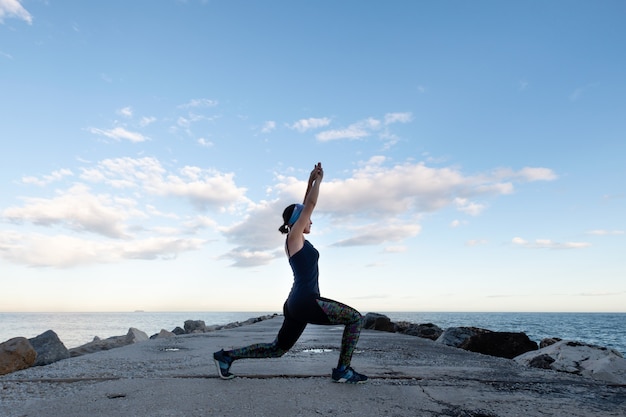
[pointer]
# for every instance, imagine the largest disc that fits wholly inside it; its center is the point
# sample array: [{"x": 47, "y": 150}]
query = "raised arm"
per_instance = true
[{"x": 295, "y": 239}]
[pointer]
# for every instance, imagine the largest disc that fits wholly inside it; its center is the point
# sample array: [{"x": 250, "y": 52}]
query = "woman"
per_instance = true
[{"x": 304, "y": 304}]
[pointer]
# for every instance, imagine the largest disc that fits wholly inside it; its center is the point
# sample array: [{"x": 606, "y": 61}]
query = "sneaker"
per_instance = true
[
  {"x": 348, "y": 376},
  {"x": 223, "y": 363}
]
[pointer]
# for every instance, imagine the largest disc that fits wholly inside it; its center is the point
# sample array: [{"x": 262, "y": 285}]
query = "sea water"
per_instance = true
[{"x": 75, "y": 329}]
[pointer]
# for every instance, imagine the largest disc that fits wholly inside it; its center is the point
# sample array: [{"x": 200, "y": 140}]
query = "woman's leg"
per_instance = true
[
  {"x": 288, "y": 335},
  {"x": 339, "y": 313}
]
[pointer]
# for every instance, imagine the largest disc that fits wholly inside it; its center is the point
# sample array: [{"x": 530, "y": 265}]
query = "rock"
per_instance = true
[
  {"x": 133, "y": 336},
  {"x": 597, "y": 362},
  {"x": 164, "y": 334},
  {"x": 16, "y": 354},
  {"x": 542, "y": 361},
  {"x": 49, "y": 348},
  {"x": 548, "y": 341},
  {"x": 195, "y": 326},
  {"x": 456, "y": 336},
  {"x": 178, "y": 331},
  {"x": 427, "y": 330},
  {"x": 502, "y": 344},
  {"x": 376, "y": 321}
]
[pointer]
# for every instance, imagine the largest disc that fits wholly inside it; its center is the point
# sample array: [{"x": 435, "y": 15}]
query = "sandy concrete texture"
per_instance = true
[{"x": 409, "y": 376}]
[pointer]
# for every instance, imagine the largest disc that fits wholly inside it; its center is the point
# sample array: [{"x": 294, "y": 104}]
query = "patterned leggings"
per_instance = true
[{"x": 319, "y": 310}]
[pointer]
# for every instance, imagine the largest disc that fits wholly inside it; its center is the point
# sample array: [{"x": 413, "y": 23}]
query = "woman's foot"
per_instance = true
[
  {"x": 348, "y": 376},
  {"x": 223, "y": 362}
]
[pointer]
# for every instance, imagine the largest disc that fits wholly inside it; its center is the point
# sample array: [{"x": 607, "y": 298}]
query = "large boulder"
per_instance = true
[
  {"x": 425, "y": 330},
  {"x": 502, "y": 344},
  {"x": 16, "y": 354},
  {"x": 49, "y": 348},
  {"x": 377, "y": 321},
  {"x": 597, "y": 362},
  {"x": 133, "y": 336},
  {"x": 195, "y": 326},
  {"x": 456, "y": 336}
]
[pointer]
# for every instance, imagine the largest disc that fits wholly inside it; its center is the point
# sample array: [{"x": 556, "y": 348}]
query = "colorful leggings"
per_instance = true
[{"x": 318, "y": 310}]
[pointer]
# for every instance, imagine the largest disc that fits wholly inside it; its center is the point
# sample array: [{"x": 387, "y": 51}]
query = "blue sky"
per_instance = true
[{"x": 473, "y": 153}]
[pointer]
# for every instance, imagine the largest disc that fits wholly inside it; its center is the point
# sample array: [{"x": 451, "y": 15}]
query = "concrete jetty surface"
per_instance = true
[{"x": 409, "y": 376}]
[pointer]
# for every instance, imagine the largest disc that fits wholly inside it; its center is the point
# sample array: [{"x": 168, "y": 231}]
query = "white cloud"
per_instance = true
[
  {"x": 377, "y": 234},
  {"x": 527, "y": 174},
  {"x": 14, "y": 9},
  {"x": 247, "y": 259},
  {"x": 605, "y": 232},
  {"x": 47, "y": 179},
  {"x": 398, "y": 118},
  {"x": 549, "y": 244},
  {"x": 366, "y": 127},
  {"x": 202, "y": 187},
  {"x": 205, "y": 142},
  {"x": 118, "y": 134},
  {"x": 64, "y": 251},
  {"x": 476, "y": 242},
  {"x": 468, "y": 207},
  {"x": 268, "y": 126},
  {"x": 76, "y": 209},
  {"x": 312, "y": 123},
  {"x": 126, "y": 112},
  {"x": 395, "y": 249},
  {"x": 146, "y": 121},
  {"x": 356, "y": 130},
  {"x": 200, "y": 102}
]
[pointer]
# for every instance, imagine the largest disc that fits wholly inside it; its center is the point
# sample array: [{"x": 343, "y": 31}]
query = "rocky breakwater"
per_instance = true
[
  {"x": 596, "y": 362},
  {"x": 20, "y": 353}
]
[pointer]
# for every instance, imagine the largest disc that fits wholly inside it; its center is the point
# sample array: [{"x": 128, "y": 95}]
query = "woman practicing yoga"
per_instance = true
[{"x": 304, "y": 304}]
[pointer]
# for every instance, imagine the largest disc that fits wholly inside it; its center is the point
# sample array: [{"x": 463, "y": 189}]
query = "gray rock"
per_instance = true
[
  {"x": 426, "y": 330},
  {"x": 456, "y": 336},
  {"x": 501, "y": 344},
  {"x": 49, "y": 348},
  {"x": 133, "y": 336},
  {"x": 377, "y": 321},
  {"x": 195, "y": 326},
  {"x": 579, "y": 358},
  {"x": 16, "y": 354}
]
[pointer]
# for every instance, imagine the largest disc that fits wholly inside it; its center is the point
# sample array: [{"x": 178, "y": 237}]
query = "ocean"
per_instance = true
[{"x": 75, "y": 329}]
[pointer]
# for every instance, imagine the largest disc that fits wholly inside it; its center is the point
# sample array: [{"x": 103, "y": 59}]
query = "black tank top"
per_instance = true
[{"x": 305, "y": 273}]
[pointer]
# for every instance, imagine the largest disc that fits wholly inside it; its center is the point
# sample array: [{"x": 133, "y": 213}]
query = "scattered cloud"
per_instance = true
[
  {"x": 476, "y": 242},
  {"x": 600, "y": 232},
  {"x": 119, "y": 134},
  {"x": 200, "y": 102},
  {"x": 468, "y": 207},
  {"x": 205, "y": 142},
  {"x": 391, "y": 118},
  {"x": 549, "y": 244},
  {"x": 118, "y": 202},
  {"x": 126, "y": 112},
  {"x": 366, "y": 127},
  {"x": 76, "y": 209},
  {"x": 13, "y": 9},
  {"x": 377, "y": 234},
  {"x": 47, "y": 179},
  {"x": 146, "y": 121},
  {"x": 303, "y": 125},
  {"x": 65, "y": 251},
  {"x": 268, "y": 126},
  {"x": 527, "y": 174}
]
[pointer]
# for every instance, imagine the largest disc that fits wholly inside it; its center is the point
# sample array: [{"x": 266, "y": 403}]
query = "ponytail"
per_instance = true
[{"x": 284, "y": 229}]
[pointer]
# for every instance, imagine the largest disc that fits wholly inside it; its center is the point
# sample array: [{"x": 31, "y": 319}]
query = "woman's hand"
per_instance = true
[{"x": 318, "y": 172}]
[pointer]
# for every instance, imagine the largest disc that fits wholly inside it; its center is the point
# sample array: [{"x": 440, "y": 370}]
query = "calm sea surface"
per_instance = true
[{"x": 75, "y": 329}]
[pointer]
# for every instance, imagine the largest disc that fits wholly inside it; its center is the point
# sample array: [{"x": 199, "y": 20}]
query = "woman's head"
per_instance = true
[{"x": 291, "y": 214}]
